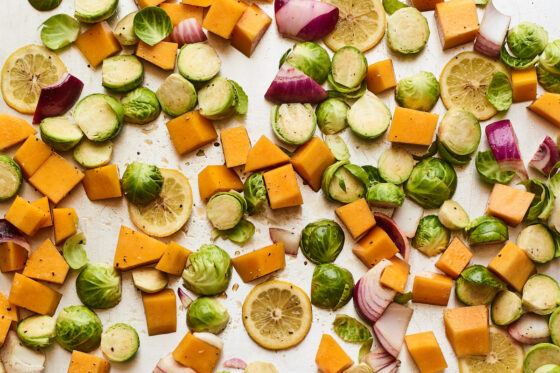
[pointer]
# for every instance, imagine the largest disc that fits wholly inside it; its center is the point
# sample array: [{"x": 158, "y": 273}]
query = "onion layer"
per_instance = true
[
  {"x": 379, "y": 360},
  {"x": 290, "y": 240},
  {"x": 530, "y": 329},
  {"x": 492, "y": 32},
  {"x": 291, "y": 85},
  {"x": 235, "y": 363},
  {"x": 395, "y": 233},
  {"x": 184, "y": 298},
  {"x": 188, "y": 31},
  {"x": 9, "y": 233},
  {"x": 167, "y": 364},
  {"x": 306, "y": 20},
  {"x": 503, "y": 143},
  {"x": 546, "y": 156},
  {"x": 56, "y": 99},
  {"x": 370, "y": 297},
  {"x": 391, "y": 327}
]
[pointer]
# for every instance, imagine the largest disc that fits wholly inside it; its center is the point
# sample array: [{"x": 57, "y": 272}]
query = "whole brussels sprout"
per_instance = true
[
  {"x": 487, "y": 229},
  {"x": 140, "y": 106},
  {"x": 419, "y": 91},
  {"x": 311, "y": 59},
  {"x": 255, "y": 194},
  {"x": 385, "y": 195},
  {"x": 331, "y": 286},
  {"x": 331, "y": 115},
  {"x": 431, "y": 236},
  {"x": 207, "y": 315},
  {"x": 78, "y": 328},
  {"x": 141, "y": 183},
  {"x": 527, "y": 39},
  {"x": 431, "y": 182},
  {"x": 37, "y": 331},
  {"x": 322, "y": 241},
  {"x": 99, "y": 286},
  {"x": 208, "y": 271}
]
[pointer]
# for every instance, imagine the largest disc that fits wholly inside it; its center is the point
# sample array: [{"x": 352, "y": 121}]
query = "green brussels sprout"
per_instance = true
[
  {"x": 322, "y": 241},
  {"x": 373, "y": 175},
  {"x": 141, "y": 183},
  {"x": 78, "y": 328},
  {"x": 516, "y": 63},
  {"x": 311, "y": 59},
  {"x": 331, "y": 286},
  {"x": 549, "y": 81},
  {"x": 99, "y": 286},
  {"x": 489, "y": 170},
  {"x": 338, "y": 147},
  {"x": 207, "y": 315},
  {"x": 548, "y": 368},
  {"x": 331, "y": 115},
  {"x": 344, "y": 182},
  {"x": 459, "y": 131},
  {"x": 140, "y": 106},
  {"x": 44, "y": 4},
  {"x": 152, "y": 25},
  {"x": 419, "y": 91},
  {"x": 431, "y": 182},
  {"x": 38, "y": 331},
  {"x": 487, "y": 229},
  {"x": 350, "y": 330},
  {"x": 499, "y": 92},
  {"x": 542, "y": 203},
  {"x": 254, "y": 192},
  {"x": 208, "y": 271},
  {"x": 225, "y": 209},
  {"x": 385, "y": 195},
  {"x": 239, "y": 234},
  {"x": 550, "y": 58},
  {"x": 431, "y": 236},
  {"x": 526, "y": 40}
]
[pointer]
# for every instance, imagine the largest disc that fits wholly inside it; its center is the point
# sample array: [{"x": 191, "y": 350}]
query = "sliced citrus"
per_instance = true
[
  {"x": 25, "y": 72},
  {"x": 361, "y": 23},
  {"x": 506, "y": 356},
  {"x": 464, "y": 80},
  {"x": 277, "y": 314},
  {"x": 170, "y": 210}
]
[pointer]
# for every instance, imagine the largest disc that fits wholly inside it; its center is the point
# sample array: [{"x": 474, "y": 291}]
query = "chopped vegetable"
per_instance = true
[
  {"x": 503, "y": 143},
  {"x": 57, "y": 98},
  {"x": 506, "y": 308},
  {"x": 217, "y": 99},
  {"x": 391, "y": 6},
  {"x": 95, "y": 11},
  {"x": 538, "y": 242},
  {"x": 311, "y": 59},
  {"x": 541, "y": 294},
  {"x": 74, "y": 252},
  {"x": 207, "y": 315},
  {"x": 254, "y": 191},
  {"x": 337, "y": 147},
  {"x": 305, "y": 20},
  {"x": 122, "y": 73},
  {"x": 348, "y": 69},
  {"x": 15, "y": 357},
  {"x": 395, "y": 165},
  {"x": 293, "y": 123},
  {"x": 549, "y": 81},
  {"x": 99, "y": 286},
  {"x": 408, "y": 216},
  {"x": 149, "y": 280},
  {"x": 120, "y": 342},
  {"x": 78, "y": 328},
  {"x": 526, "y": 40},
  {"x": 542, "y": 204},
  {"x": 100, "y": 117},
  {"x": 225, "y": 209},
  {"x": 452, "y": 215},
  {"x": 152, "y": 25},
  {"x": 10, "y": 176},
  {"x": 419, "y": 91},
  {"x": 407, "y": 31},
  {"x": 208, "y": 271},
  {"x": 141, "y": 106},
  {"x": 331, "y": 116},
  {"x": 292, "y": 85},
  {"x": 516, "y": 63},
  {"x": 385, "y": 195},
  {"x": 344, "y": 182},
  {"x": 391, "y": 327},
  {"x": 369, "y": 117},
  {"x": 290, "y": 239},
  {"x": 44, "y": 4},
  {"x": 493, "y": 31},
  {"x": 370, "y": 297},
  {"x": 539, "y": 355},
  {"x": 141, "y": 183},
  {"x": 198, "y": 62},
  {"x": 37, "y": 331},
  {"x": 331, "y": 286},
  {"x": 489, "y": 170},
  {"x": 550, "y": 58},
  {"x": 188, "y": 31},
  {"x": 431, "y": 236},
  {"x": 432, "y": 182},
  {"x": 322, "y": 241},
  {"x": 61, "y": 133},
  {"x": 487, "y": 230},
  {"x": 59, "y": 31},
  {"x": 530, "y": 329},
  {"x": 177, "y": 95},
  {"x": 499, "y": 92},
  {"x": 350, "y": 330},
  {"x": 91, "y": 154},
  {"x": 124, "y": 30},
  {"x": 395, "y": 233}
]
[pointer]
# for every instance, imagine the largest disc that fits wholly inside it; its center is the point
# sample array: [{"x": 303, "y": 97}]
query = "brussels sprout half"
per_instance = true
[
  {"x": 140, "y": 106},
  {"x": 311, "y": 59},
  {"x": 208, "y": 271},
  {"x": 548, "y": 80},
  {"x": 38, "y": 331},
  {"x": 207, "y": 315},
  {"x": 431, "y": 236},
  {"x": 550, "y": 58},
  {"x": 99, "y": 286},
  {"x": 78, "y": 328},
  {"x": 141, "y": 183},
  {"x": 255, "y": 194},
  {"x": 459, "y": 131},
  {"x": 526, "y": 40},
  {"x": 431, "y": 182},
  {"x": 542, "y": 203},
  {"x": 487, "y": 230},
  {"x": 331, "y": 115},
  {"x": 344, "y": 182},
  {"x": 322, "y": 241},
  {"x": 331, "y": 286},
  {"x": 419, "y": 91},
  {"x": 489, "y": 170},
  {"x": 385, "y": 195}
]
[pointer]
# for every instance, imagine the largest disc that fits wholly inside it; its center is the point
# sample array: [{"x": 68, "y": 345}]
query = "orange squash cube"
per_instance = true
[
  {"x": 43, "y": 204},
  {"x": 431, "y": 288},
  {"x": 260, "y": 262},
  {"x": 190, "y": 131},
  {"x": 161, "y": 312},
  {"x": 201, "y": 3},
  {"x": 98, "y": 43},
  {"x": 425, "y": 5},
  {"x": 412, "y": 126},
  {"x": 31, "y": 155},
  {"x": 524, "y": 84},
  {"x": 424, "y": 349},
  {"x": 282, "y": 187},
  {"x": 214, "y": 179},
  {"x": 46, "y": 264},
  {"x": 65, "y": 224},
  {"x": 375, "y": 246},
  {"x": 236, "y": 146},
  {"x": 196, "y": 354},
  {"x": 136, "y": 249},
  {"x": 5, "y": 325},
  {"x": 512, "y": 265},
  {"x": 330, "y": 357},
  {"x": 26, "y": 217},
  {"x": 265, "y": 154},
  {"x": 548, "y": 107},
  {"x": 381, "y": 76},
  {"x": 162, "y": 54},
  {"x": 454, "y": 259},
  {"x": 357, "y": 217},
  {"x": 80, "y": 362},
  {"x": 34, "y": 296},
  {"x": 146, "y": 3},
  {"x": 249, "y": 30},
  {"x": 102, "y": 183},
  {"x": 395, "y": 276},
  {"x": 467, "y": 330},
  {"x": 12, "y": 257},
  {"x": 13, "y": 130},
  {"x": 310, "y": 161},
  {"x": 508, "y": 203},
  {"x": 222, "y": 16},
  {"x": 180, "y": 12},
  {"x": 7, "y": 309},
  {"x": 457, "y": 22},
  {"x": 173, "y": 259}
]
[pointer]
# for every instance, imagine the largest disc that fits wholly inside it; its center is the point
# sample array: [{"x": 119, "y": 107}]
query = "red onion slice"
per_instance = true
[
  {"x": 492, "y": 32},
  {"x": 391, "y": 327},
  {"x": 530, "y": 329},
  {"x": 290, "y": 239},
  {"x": 504, "y": 146},
  {"x": 235, "y": 363},
  {"x": 292, "y": 85},
  {"x": 395, "y": 233},
  {"x": 379, "y": 359},
  {"x": 391, "y": 368},
  {"x": 167, "y": 364},
  {"x": 307, "y": 20},
  {"x": 184, "y": 298},
  {"x": 370, "y": 297},
  {"x": 9, "y": 233},
  {"x": 58, "y": 98},
  {"x": 188, "y": 31},
  {"x": 546, "y": 156}
]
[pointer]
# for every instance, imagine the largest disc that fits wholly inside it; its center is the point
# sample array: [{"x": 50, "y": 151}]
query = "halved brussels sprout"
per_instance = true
[
  {"x": 337, "y": 147},
  {"x": 78, "y": 328},
  {"x": 452, "y": 158},
  {"x": 452, "y": 215},
  {"x": 225, "y": 209},
  {"x": 395, "y": 165},
  {"x": 322, "y": 241},
  {"x": 385, "y": 195},
  {"x": 459, "y": 131},
  {"x": 549, "y": 81},
  {"x": 526, "y": 40},
  {"x": 44, "y": 4},
  {"x": 487, "y": 230},
  {"x": 311, "y": 59},
  {"x": 431, "y": 182},
  {"x": 124, "y": 30},
  {"x": 141, "y": 183},
  {"x": 254, "y": 192},
  {"x": 550, "y": 58},
  {"x": 350, "y": 330},
  {"x": 38, "y": 331},
  {"x": 208, "y": 271},
  {"x": 99, "y": 286},
  {"x": 542, "y": 203},
  {"x": 293, "y": 123},
  {"x": 431, "y": 236},
  {"x": 331, "y": 115},
  {"x": 177, "y": 95},
  {"x": 407, "y": 31},
  {"x": 499, "y": 92},
  {"x": 140, "y": 106},
  {"x": 344, "y": 182},
  {"x": 239, "y": 234},
  {"x": 419, "y": 91},
  {"x": 207, "y": 315},
  {"x": 516, "y": 63},
  {"x": 489, "y": 170},
  {"x": 331, "y": 286},
  {"x": 74, "y": 252}
]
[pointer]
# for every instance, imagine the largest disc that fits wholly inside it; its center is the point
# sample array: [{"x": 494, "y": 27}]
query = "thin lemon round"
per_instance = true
[
  {"x": 277, "y": 314},
  {"x": 506, "y": 356},
  {"x": 361, "y": 23},
  {"x": 25, "y": 72},
  {"x": 170, "y": 210},
  {"x": 464, "y": 80}
]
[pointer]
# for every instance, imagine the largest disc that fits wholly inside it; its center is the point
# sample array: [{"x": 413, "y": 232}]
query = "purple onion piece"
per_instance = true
[
  {"x": 9, "y": 233},
  {"x": 395, "y": 233},
  {"x": 546, "y": 156},
  {"x": 504, "y": 146},
  {"x": 56, "y": 99},
  {"x": 292, "y": 85}
]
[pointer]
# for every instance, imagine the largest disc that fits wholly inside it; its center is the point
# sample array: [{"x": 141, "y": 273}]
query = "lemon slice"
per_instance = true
[
  {"x": 464, "y": 80},
  {"x": 170, "y": 210},
  {"x": 361, "y": 23},
  {"x": 506, "y": 356},
  {"x": 277, "y": 314},
  {"x": 25, "y": 72}
]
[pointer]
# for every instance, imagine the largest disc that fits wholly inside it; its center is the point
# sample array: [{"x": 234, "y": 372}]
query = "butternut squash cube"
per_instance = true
[
  {"x": 31, "y": 155},
  {"x": 45, "y": 263},
  {"x": 330, "y": 357},
  {"x": 214, "y": 179},
  {"x": 201, "y": 3},
  {"x": 12, "y": 257},
  {"x": 357, "y": 217},
  {"x": 222, "y": 16},
  {"x": 7, "y": 309},
  {"x": 236, "y": 146},
  {"x": 26, "y": 217},
  {"x": 56, "y": 178},
  {"x": 375, "y": 246},
  {"x": 43, "y": 204},
  {"x": 80, "y": 362},
  {"x": 65, "y": 224},
  {"x": 457, "y": 22},
  {"x": 425, "y": 5},
  {"x": 509, "y": 204},
  {"x": 310, "y": 161},
  {"x": 431, "y": 288},
  {"x": 146, "y": 3},
  {"x": 190, "y": 131},
  {"x": 5, "y": 325},
  {"x": 34, "y": 296},
  {"x": 196, "y": 354},
  {"x": 180, "y": 12},
  {"x": 98, "y": 43},
  {"x": 412, "y": 126},
  {"x": 265, "y": 154},
  {"x": 282, "y": 187},
  {"x": 14, "y": 130},
  {"x": 512, "y": 265},
  {"x": 260, "y": 262},
  {"x": 524, "y": 84},
  {"x": 454, "y": 259},
  {"x": 161, "y": 312},
  {"x": 424, "y": 349},
  {"x": 162, "y": 54},
  {"x": 136, "y": 249},
  {"x": 249, "y": 30},
  {"x": 102, "y": 183},
  {"x": 548, "y": 107},
  {"x": 395, "y": 276},
  {"x": 381, "y": 76},
  {"x": 467, "y": 330},
  {"x": 173, "y": 259}
]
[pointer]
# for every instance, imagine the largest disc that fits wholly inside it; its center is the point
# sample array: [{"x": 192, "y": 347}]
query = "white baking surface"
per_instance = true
[{"x": 150, "y": 143}]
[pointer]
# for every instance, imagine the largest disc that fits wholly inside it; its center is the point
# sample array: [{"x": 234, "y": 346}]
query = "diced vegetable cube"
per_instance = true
[
  {"x": 512, "y": 265},
  {"x": 173, "y": 259},
  {"x": 7, "y": 309},
  {"x": 330, "y": 357},
  {"x": 236, "y": 145},
  {"x": 375, "y": 246},
  {"x": 161, "y": 312},
  {"x": 381, "y": 76},
  {"x": 163, "y": 54},
  {"x": 80, "y": 362},
  {"x": 310, "y": 161},
  {"x": 395, "y": 276},
  {"x": 249, "y": 30},
  {"x": 425, "y": 5},
  {"x": 43, "y": 204},
  {"x": 282, "y": 187},
  {"x": 31, "y": 155},
  {"x": 467, "y": 330},
  {"x": 265, "y": 154},
  {"x": 191, "y": 131},
  {"x": 180, "y": 12},
  {"x": 260, "y": 262},
  {"x": 65, "y": 223},
  {"x": 508, "y": 203},
  {"x": 102, "y": 183},
  {"x": 12, "y": 257},
  {"x": 457, "y": 22},
  {"x": 98, "y": 43},
  {"x": 34, "y": 296},
  {"x": 5, "y": 325},
  {"x": 45, "y": 263},
  {"x": 146, "y": 3},
  {"x": 357, "y": 217},
  {"x": 201, "y": 3},
  {"x": 197, "y": 354},
  {"x": 524, "y": 84},
  {"x": 431, "y": 288},
  {"x": 214, "y": 179},
  {"x": 548, "y": 107},
  {"x": 222, "y": 16},
  {"x": 26, "y": 217},
  {"x": 135, "y": 249},
  {"x": 56, "y": 178},
  {"x": 412, "y": 126},
  {"x": 454, "y": 259},
  {"x": 424, "y": 349},
  {"x": 14, "y": 130}
]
